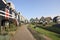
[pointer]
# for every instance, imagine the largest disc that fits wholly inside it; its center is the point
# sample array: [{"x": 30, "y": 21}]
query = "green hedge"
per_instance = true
[{"x": 54, "y": 28}]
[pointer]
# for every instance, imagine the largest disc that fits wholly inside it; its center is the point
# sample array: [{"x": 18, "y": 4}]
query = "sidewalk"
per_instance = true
[{"x": 23, "y": 34}]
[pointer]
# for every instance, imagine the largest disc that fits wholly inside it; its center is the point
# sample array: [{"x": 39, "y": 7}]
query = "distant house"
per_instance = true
[
  {"x": 42, "y": 20},
  {"x": 48, "y": 19},
  {"x": 56, "y": 19},
  {"x": 36, "y": 20}
]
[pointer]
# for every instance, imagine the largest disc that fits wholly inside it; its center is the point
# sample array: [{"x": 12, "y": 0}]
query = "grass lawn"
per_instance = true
[
  {"x": 4, "y": 37},
  {"x": 52, "y": 35}
]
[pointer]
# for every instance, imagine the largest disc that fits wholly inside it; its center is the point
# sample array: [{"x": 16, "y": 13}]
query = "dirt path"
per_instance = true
[{"x": 23, "y": 34}]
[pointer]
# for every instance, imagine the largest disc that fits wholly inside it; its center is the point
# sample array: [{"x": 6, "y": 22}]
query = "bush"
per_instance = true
[{"x": 12, "y": 27}]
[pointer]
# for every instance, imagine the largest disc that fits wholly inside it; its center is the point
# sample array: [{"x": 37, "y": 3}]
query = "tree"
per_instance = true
[{"x": 31, "y": 20}]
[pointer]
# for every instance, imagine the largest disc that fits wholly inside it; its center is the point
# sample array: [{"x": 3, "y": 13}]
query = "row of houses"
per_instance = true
[
  {"x": 8, "y": 14},
  {"x": 22, "y": 19},
  {"x": 46, "y": 20}
]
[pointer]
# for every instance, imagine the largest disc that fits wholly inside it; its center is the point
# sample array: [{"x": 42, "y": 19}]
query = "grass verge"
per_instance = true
[{"x": 52, "y": 35}]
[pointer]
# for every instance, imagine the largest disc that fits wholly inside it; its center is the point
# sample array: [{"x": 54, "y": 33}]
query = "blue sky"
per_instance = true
[{"x": 37, "y": 8}]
